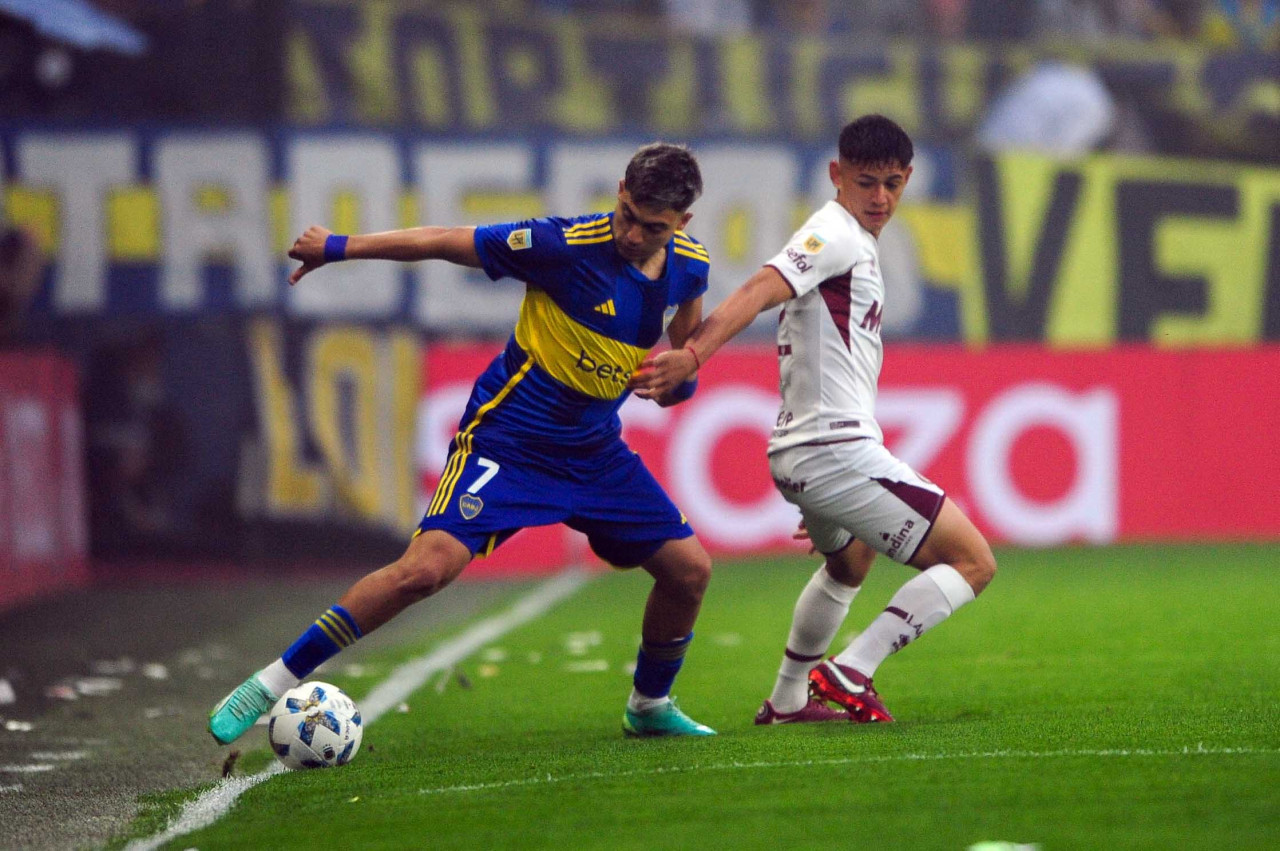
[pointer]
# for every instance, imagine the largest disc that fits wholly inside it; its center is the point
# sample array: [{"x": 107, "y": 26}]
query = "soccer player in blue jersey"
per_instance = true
[{"x": 540, "y": 439}]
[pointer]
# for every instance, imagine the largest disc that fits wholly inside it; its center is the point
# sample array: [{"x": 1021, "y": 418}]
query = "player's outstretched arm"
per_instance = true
[
  {"x": 662, "y": 373},
  {"x": 318, "y": 246}
]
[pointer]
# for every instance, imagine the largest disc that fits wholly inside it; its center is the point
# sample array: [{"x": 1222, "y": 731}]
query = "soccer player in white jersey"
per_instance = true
[{"x": 827, "y": 454}]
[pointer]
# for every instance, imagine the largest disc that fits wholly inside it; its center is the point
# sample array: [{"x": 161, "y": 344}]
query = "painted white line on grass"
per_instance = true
[
  {"x": 1198, "y": 750},
  {"x": 26, "y": 769},
  {"x": 402, "y": 682}
]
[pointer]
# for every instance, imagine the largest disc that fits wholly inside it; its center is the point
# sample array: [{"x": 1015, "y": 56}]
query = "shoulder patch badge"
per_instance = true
[
  {"x": 814, "y": 243},
  {"x": 518, "y": 240}
]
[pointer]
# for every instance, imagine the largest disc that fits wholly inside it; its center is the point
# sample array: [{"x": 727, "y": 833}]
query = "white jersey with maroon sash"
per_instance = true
[
  {"x": 827, "y": 453},
  {"x": 829, "y": 349}
]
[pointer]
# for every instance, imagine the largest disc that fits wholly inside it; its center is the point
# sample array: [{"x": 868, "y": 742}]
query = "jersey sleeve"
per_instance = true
[
  {"x": 815, "y": 254},
  {"x": 520, "y": 250}
]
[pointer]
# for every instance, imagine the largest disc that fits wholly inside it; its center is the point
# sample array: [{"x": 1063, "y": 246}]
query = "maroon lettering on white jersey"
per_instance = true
[{"x": 831, "y": 329}]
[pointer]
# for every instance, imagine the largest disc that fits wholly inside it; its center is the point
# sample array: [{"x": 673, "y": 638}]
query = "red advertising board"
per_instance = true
[
  {"x": 43, "y": 536},
  {"x": 1040, "y": 447}
]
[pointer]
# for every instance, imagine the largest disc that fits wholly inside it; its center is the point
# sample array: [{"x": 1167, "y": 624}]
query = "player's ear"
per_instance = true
[
  {"x": 622, "y": 186},
  {"x": 684, "y": 221},
  {"x": 833, "y": 170}
]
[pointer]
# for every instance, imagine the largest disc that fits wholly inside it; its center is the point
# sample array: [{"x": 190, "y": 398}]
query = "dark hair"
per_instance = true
[
  {"x": 875, "y": 140},
  {"x": 664, "y": 176}
]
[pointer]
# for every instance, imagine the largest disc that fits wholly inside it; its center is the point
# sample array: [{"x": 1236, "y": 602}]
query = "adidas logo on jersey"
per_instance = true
[{"x": 607, "y": 308}]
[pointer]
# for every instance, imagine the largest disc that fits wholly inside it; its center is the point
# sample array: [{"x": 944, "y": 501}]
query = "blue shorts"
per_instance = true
[{"x": 488, "y": 494}]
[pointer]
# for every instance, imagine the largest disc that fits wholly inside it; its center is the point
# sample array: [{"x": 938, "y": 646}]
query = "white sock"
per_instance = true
[
  {"x": 820, "y": 609},
  {"x": 277, "y": 678},
  {"x": 921, "y": 604},
  {"x": 643, "y": 703}
]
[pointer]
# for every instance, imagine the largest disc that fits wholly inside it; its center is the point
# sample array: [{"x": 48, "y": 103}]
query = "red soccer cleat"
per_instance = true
[
  {"x": 849, "y": 688},
  {"x": 813, "y": 711}
]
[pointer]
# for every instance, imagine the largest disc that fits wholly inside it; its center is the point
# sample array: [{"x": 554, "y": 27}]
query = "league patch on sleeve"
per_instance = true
[
  {"x": 814, "y": 244},
  {"x": 518, "y": 240}
]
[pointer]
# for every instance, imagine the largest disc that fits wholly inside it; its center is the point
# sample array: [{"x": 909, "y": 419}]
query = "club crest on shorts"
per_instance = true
[{"x": 470, "y": 505}]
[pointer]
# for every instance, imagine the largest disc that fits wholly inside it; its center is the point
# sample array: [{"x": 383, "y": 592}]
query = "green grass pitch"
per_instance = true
[{"x": 1125, "y": 697}]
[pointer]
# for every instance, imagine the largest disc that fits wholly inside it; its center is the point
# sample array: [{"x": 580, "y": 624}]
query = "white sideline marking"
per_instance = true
[
  {"x": 403, "y": 681},
  {"x": 906, "y": 757}
]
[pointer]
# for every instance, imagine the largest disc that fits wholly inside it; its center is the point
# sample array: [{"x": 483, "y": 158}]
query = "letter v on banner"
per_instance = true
[{"x": 1011, "y": 317}]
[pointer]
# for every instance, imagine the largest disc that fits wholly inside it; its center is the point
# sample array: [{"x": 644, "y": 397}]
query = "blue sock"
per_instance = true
[
  {"x": 331, "y": 632},
  {"x": 657, "y": 664}
]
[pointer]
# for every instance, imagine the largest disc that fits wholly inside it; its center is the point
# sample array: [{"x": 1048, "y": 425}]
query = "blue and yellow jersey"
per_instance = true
[{"x": 588, "y": 319}]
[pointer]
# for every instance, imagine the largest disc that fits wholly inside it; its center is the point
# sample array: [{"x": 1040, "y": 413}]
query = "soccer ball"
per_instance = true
[{"x": 315, "y": 725}]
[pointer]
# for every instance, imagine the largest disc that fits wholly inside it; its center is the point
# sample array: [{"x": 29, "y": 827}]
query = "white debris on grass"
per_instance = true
[
  {"x": 579, "y": 643},
  {"x": 353, "y": 669},
  {"x": 15, "y": 726},
  {"x": 59, "y": 756},
  {"x": 98, "y": 686},
  {"x": 155, "y": 671},
  {"x": 7, "y": 694},
  {"x": 587, "y": 666},
  {"x": 494, "y": 654},
  {"x": 402, "y": 708},
  {"x": 727, "y": 639},
  {"x": 114, "y": 667},
  {"x": 36, "y": 768}
]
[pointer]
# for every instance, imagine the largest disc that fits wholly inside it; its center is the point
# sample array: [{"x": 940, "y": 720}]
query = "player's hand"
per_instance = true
[
  {"x": 662, "y": 373},
  {"x": 309, "y": 248},
  {"x": 802, "y": 534}
]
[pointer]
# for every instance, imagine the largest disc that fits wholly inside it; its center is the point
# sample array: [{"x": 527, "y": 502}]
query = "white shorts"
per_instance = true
[{"x": 858, "y": 489}]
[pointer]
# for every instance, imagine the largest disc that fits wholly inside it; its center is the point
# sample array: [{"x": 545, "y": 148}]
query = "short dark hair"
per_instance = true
[
  {"x": 664, "y": 176},
  {"x": 875, "y": 140}
]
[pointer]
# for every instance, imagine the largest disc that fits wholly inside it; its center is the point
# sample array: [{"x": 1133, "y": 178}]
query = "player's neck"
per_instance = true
[{"x": 652, "y": 266}]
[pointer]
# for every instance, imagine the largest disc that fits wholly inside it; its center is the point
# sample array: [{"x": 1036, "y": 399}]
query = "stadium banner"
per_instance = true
[
  {"x": 1040, "y": 448},
  {"x": 43, "y": 527},
  {"x": 168, "y": 223},
  {"x": 445, "y": 67}
]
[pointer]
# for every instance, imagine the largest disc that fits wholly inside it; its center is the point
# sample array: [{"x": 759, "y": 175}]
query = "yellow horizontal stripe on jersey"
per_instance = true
[
  {"x": 586, "y": 226},
  {"x": 704, "y": 258},
  {"x": 604, "y": 228},
  {"x": 572, "y": 353},
  {"x": 589, "y": 241},
  {"x": 692, "y": 246}
]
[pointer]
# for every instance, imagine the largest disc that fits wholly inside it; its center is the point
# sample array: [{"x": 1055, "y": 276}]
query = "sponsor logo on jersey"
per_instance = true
[
  {"x": 470, "y": 505},
  {"x": 606, "y": 308},
  {"x": 814, "y": 243},
  {"x": 800, "y": 261},
  {"x": 518, "y": 240},
  {"x": 871, "y": 322},
  {"x": 898, "y": 539},
  {"x": 602, "y": 368}
]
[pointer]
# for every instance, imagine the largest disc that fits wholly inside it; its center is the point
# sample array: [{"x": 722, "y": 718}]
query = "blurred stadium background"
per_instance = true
[{"x": 1084, "y": 320}]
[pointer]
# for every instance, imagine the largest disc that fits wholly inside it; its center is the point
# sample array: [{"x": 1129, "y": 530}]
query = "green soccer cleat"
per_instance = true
[
  {"x": 663, "y": 720},
  {"x": 240, "y": 710}
]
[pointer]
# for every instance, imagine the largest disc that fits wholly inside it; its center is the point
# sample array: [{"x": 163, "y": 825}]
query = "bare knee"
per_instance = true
[
  {"x": 426, "y": 568},
  {"x": 851, "y": 565},
  {"x": 689, "y": 578},
  {"x": 979, "y": 568}
]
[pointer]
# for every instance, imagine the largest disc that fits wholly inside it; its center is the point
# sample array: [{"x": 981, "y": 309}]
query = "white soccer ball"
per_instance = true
[{"x": 315, "y": 725}]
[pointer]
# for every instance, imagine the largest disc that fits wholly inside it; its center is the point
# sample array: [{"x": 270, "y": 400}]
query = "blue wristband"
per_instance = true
[
  {"x": 335, "y": 248},
  {"x": 684, "y": 390}
]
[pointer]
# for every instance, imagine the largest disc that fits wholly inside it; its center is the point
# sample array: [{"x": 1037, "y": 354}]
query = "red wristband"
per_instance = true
[{"x": 696, "y": 359}]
